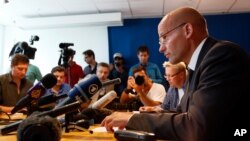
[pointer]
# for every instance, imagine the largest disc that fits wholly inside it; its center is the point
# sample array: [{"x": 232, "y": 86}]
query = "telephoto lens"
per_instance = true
[{"x": 139, "y": 80}]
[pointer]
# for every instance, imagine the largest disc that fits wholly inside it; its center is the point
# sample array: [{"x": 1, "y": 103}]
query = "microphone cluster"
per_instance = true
[{"x": 80, "y": 93}]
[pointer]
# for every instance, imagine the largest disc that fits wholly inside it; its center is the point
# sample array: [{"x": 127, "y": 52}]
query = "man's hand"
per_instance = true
[
  {"x": 150, "y": 109},
  {"x": 117, "y": 119}
]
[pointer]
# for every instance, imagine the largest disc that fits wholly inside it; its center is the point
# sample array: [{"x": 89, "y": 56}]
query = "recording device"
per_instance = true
[
  {"x": 35, "y": 128},
  {"x": 35, "y": 92},
  {"x": 52, "y": 113},
  {"x": 65, "y": 45},
  {"x": 50, "y": 100},
  {"x": 97, "y": 112},
  {"x": 106, "y": 99},
  {"x": 33, "y": 38},
  {"x": 139, "y": 80},
  {"x": 23, "y": 48},
  {"x": 132, "y": 135},
  {"x": 86, "y": 88},
  {"x": 83, "y": 90},
  {"x": 66, "y": 53}
]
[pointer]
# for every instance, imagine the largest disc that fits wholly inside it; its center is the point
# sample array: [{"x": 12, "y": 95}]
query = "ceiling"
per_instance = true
[{"x": 12, "y": 10}]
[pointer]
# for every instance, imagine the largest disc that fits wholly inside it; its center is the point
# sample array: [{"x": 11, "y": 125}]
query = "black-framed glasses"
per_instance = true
[
  {"x": 172, "y": 75},
  {"x": 163, "y": 36}
]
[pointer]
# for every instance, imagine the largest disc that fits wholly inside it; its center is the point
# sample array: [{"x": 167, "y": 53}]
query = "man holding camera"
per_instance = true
[{"x": 140, "y": 86}]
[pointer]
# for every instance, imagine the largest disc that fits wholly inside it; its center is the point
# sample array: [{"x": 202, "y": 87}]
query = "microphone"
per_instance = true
[
  {"x": 35, "y": 92},
  {"x": 106, "y": 99},
  {"x": 113, "y": 81},
  {"x": 53, "y": 113},
  {"x": 85, "y": 89},
  {"x": 49, "y": 100}
]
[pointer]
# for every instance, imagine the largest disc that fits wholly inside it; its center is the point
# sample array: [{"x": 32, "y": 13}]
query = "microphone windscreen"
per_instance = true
[
  {"x": 39, "y": 128},
  {"x": 106, "y": 99},
  {"x": 48, "y": 81},
  {"x": 113, "y": 81}
]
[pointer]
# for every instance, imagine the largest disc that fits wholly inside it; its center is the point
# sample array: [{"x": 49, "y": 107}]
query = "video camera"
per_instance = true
[
  {"x": 24, "y": 48},
  {"x": 66, "y": 53},
  {"x": 33, "y": 38}
]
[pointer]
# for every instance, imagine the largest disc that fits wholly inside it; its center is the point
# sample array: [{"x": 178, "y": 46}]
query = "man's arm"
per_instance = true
[{"x": 6, "y": 109}]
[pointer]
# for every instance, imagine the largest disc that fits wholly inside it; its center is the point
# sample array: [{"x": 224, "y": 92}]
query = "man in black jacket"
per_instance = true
[{"x": 215, "y": 102}]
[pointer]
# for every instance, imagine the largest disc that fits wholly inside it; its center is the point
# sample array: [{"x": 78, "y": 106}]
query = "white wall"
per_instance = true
[{"x": 47, "y": 54}]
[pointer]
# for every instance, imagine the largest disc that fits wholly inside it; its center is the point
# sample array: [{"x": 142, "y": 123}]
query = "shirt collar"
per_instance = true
[{"x": 195, "y": 55}]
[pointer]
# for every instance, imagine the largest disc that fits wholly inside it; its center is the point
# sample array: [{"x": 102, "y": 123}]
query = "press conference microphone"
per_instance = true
[
  {"x": 53, "y": 113},
  {"x": 35, "y": 92},
  {"x": 48, "y": 100},
  {"x": 113, "y": 81},
  {"x": 85, "y": 89},
  {"x": 105, "y": 100}
]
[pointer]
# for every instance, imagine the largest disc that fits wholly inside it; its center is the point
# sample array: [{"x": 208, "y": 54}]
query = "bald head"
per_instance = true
[
  {"x": 185, "y": 15},
  {"x": 180, "y": 33}
]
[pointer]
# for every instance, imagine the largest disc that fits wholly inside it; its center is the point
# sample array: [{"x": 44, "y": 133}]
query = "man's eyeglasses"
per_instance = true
[
  {"x": 162, "y": 40},
  {"x": 172, "y": 75}
]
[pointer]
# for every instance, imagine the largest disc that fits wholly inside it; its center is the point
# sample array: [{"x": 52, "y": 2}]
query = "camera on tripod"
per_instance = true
[
  {"x": 33, "y": 38},
  {"x": 66, "y": 53}
]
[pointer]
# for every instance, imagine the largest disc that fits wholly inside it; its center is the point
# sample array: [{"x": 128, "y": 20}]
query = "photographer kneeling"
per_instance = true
[{"x": 141, "y": 87}]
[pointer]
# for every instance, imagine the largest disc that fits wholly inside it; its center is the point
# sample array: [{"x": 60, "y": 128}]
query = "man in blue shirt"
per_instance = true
[
  {"x": 61, "y": 87},
  {"x": 152, "y": 69}
]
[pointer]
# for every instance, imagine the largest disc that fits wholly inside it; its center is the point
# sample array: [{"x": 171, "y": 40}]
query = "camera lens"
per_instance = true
[
  {"x": 118, "y": 64},
  {"x": 139, "y": 80}
]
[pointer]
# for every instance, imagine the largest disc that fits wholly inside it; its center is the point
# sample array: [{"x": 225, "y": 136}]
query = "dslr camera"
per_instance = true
[
  {"x": 139, "y": 80},
  {"x": 66, "y": 53}
]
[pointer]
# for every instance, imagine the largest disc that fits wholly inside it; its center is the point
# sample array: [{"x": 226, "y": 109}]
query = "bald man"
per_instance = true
[{"x": 216, "y": 96}]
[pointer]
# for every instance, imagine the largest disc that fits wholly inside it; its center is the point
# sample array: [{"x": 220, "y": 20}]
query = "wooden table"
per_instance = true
[{"x": 73, "y": 136}]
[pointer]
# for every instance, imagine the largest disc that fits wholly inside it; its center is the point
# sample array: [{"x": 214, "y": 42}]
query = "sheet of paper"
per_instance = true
[{"x": 102, "y": 129}]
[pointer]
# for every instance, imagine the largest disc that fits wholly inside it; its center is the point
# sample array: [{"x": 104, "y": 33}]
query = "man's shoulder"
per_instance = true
[
  {"x": 158, "y": 86},
  {"x": 153, "y": 64},
  {"x": 134, "y": 66},
  {"x": 66, "y": 86},
  {"x": 5, "y": 77}
]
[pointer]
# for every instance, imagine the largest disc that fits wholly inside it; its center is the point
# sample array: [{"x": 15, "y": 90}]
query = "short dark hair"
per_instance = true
[
  {"x": 139, "y": 68},
  {"x": 142, "y": 48},
  {"x": 58, "y": 68},
  {"x": 89, "y": 52},
  {"x": 71, "y": 52},
  {"x": 103, "y": 64},
  {"x": 19, "y": 58}
]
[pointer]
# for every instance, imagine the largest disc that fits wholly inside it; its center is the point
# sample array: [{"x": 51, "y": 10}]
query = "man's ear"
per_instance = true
[{"x": 188, "y": 30}]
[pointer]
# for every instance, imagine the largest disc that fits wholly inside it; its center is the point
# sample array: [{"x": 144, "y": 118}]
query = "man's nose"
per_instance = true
[{"x": 162, "y": 48}]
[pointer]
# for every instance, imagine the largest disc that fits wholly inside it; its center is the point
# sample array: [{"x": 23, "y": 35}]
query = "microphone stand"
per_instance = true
[
  {"x": 69, "y": 123},
  {"x": 53, "y": 113}
]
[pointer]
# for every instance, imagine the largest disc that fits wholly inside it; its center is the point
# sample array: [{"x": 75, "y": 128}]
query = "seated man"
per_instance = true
[
  {"x": 148, "y": 92},
  {"x": 216, "y": 101},
  {"x": 14, "y": 85},
  {"x": 61, "y": 87},
  {"x": 176, "y": 75},
  {"x": 102, "y": 73}
]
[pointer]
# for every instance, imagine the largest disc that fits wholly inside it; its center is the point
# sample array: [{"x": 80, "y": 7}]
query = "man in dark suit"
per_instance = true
[{"x": 215, "y": 102}]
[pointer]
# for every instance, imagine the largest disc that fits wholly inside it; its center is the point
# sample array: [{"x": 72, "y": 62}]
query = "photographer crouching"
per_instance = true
[{"x": 140, "y": 87}]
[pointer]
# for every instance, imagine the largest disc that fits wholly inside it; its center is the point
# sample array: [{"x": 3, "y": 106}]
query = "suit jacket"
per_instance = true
[
  {"x": 215, "y": 101},
  {"x": 171, "y": 99}
]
